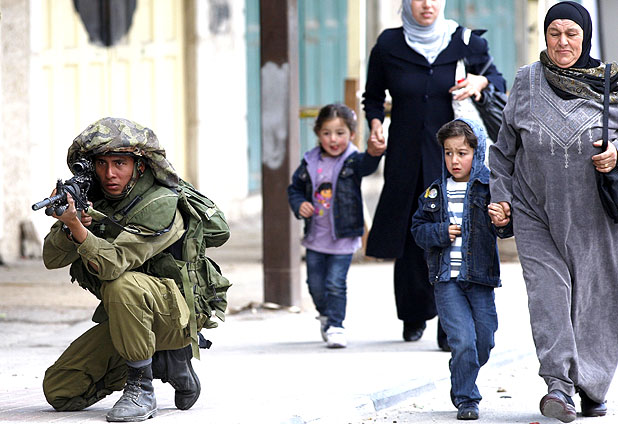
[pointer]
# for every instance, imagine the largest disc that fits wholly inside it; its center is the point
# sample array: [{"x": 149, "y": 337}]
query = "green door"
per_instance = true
[
  {"x": 254, "y": 128},
  {"x": 322, "y": 37},
  {"x": 322, "y": 34},
  {"x": 498, "y": 18}
]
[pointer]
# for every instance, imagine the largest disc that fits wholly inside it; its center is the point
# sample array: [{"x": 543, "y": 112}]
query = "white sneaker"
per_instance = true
[
  {"x": 323, "y": 322},
  {"x": 335, "y": 337}
]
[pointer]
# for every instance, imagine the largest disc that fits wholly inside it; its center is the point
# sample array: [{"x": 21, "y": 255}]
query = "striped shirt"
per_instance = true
[{"x": 456, "y": 193}]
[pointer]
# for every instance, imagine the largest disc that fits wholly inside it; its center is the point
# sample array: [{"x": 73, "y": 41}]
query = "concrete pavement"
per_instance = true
[{"x": 265, "y": 366}]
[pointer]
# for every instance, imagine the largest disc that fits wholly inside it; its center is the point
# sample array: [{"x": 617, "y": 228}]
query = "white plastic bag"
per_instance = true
[{"x": 465, "y": 108}]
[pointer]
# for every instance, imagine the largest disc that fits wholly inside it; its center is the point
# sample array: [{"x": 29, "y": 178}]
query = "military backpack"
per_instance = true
[{"x": 198, "y": 277}]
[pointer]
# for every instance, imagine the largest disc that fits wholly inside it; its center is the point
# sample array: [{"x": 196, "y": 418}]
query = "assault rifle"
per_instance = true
[{"x": 77, "y": 187}]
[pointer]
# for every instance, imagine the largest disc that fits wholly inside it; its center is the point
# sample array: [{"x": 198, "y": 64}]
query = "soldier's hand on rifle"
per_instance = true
[
  {"x": 86, "y": 219},
  {"x": 70, "y": 213},
  {"x": 70, "y": 219}
]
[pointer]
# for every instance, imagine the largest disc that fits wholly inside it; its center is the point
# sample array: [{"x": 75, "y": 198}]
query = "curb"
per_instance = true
[
  {"x": 363, "y": 406},
  {"x": 391, "y": 397}
]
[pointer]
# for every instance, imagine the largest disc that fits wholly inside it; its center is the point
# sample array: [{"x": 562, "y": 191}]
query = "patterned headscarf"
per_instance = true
[
  {"x": 429, "y": 40},
  {"x": 579, "y": 83},
  {"x": 122, "y": 136}
]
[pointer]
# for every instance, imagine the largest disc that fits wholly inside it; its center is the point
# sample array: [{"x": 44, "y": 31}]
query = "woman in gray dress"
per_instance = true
[{"x": 543, "y": 171}]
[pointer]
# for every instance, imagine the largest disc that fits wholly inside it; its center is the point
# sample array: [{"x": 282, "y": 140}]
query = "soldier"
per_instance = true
[{"x": 142, "y": 329}]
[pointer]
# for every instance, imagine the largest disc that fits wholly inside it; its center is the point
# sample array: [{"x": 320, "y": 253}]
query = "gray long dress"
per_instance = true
[{"x": 566, "y": 243}]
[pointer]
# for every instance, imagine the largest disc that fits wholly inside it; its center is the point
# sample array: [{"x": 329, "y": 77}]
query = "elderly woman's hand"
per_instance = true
[
  {"x": 606, "y": 161},
  {"x": 470, "y": 87}
]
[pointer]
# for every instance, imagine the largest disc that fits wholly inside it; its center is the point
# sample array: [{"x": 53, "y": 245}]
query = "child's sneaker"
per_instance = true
[
  {"x": 323, "y": 325},
  {"x": 335, "y": 337}
]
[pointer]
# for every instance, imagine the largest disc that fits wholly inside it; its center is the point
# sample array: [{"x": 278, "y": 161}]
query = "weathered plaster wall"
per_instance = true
[{"x": 15, "y": 196}]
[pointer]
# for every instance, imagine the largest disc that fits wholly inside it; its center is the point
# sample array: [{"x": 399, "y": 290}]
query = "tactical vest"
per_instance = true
[{"x": 149, "y": 210}]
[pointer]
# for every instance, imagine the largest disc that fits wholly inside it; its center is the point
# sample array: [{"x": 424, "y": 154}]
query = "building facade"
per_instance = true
[{"x": 189, "y": 70}]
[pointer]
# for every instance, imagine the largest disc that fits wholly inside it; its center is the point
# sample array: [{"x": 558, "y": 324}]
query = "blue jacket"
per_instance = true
[
  {"x": 348, "y": 204},
  {"x": 479, "y": 249}
]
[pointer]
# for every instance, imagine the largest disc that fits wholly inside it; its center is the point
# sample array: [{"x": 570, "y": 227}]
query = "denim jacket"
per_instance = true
[
  {"x": 479, "y": 249},
  {"x": 347, "y": 204}
]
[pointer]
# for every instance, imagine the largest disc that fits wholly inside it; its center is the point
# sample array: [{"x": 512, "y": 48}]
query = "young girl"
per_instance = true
[{"x": 325, "y": 191}]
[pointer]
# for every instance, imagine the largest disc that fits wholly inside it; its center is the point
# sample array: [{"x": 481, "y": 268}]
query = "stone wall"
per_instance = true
[{"x": 15, "y": 173}]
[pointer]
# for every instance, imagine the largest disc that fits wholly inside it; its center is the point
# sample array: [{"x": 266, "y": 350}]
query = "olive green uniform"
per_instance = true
[{"x": 139, "y": 313}]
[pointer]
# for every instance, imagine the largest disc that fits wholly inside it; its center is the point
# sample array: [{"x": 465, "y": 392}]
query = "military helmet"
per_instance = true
[{"x": 118, "y": 136}]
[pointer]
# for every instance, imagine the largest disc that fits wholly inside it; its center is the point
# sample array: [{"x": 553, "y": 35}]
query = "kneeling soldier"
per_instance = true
[{"x": 142, "y": 329}]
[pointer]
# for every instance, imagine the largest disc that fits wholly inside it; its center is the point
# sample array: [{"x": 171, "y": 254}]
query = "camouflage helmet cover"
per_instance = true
[{"x": 122, "y": 136}]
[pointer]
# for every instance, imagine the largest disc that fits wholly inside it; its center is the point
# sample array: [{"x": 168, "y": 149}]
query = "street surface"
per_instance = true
[
  {"x": 270, "y": 365},
  {"x": 511, "y": 394},
  {"x": 509, "y": 382}
]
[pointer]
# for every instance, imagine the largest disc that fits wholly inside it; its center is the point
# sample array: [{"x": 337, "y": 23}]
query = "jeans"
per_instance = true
[
  {"x": 468, "y": 315},
  {"x": 326, "y": 278}
]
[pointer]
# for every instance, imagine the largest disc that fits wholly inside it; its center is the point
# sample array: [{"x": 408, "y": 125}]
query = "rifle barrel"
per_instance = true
[{"x": 47, "y": 201}]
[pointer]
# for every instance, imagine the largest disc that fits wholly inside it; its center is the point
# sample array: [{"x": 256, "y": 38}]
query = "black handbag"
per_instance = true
[
  {"x": 490, "y": 107},
  {"x": 607, "y": 183}
]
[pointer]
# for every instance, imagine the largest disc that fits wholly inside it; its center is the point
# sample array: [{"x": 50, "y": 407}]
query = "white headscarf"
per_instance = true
[{"x": 427, "y": 40}]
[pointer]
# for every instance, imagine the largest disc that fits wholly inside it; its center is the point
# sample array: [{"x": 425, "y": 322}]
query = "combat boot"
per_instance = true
[
  {"x": 138, "y": 402},
  {"x": 174, "y": 367}
]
